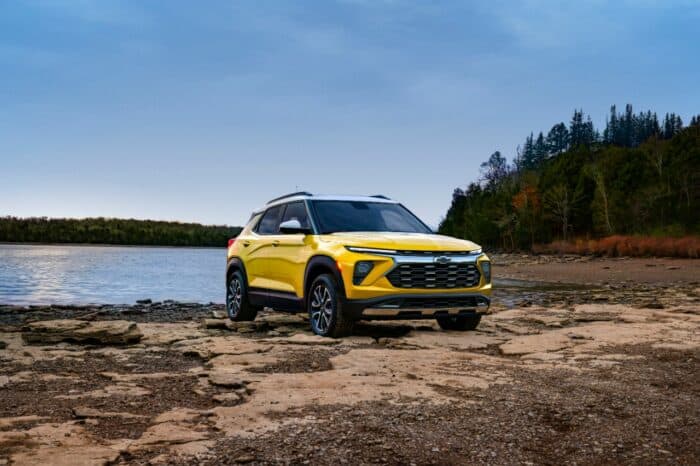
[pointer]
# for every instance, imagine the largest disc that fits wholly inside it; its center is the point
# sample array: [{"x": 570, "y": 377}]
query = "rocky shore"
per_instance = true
[{"x": 565, "y": 369}]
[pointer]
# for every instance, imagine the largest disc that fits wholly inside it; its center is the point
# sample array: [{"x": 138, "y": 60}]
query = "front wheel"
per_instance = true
[
  {"x": 237, "y": 306},
  {"x": 463, "y": 322},
  {"x": 325, "y": 309}
]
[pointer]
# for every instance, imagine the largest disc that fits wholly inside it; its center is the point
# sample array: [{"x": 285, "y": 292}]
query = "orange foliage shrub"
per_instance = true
[{"x": 630, "y": 246}]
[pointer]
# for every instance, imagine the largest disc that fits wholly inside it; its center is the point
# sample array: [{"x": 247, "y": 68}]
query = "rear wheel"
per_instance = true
[
  {"x": 237, "y": 305},
  {"x": 462, "y": 322},
  {"x": 326, "y": 310}
]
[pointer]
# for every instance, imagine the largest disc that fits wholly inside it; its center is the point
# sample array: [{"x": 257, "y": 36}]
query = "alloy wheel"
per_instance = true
[
  {"x": 322, "y": 307},
  {"x": 234, "y": 297}
]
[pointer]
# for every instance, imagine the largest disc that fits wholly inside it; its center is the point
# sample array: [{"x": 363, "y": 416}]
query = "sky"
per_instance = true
[{"x": 203, "y": 111}]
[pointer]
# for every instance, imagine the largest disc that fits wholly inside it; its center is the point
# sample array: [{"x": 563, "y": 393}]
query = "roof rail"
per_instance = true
[
  {"x": 298, "y": 193},
  {"x": 380, "y": 196}
]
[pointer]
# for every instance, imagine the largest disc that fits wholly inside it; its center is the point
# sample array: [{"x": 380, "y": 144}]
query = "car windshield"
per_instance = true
[{"x": 338, "y": 216}]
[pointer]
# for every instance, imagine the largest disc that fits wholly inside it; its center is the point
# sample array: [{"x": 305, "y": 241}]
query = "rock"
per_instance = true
[
  {"x": 225, "y": 379},
  {"x": 535, "y": 344},
  {"x": 81, "y": 412},
  {"x": 244, "y": 459},
  {"x": 230, "y": 397},
  {"x": 4, "y": 380},
  {"x": 214, "y": 323},
  {"x": 218, "y": 315},
  {"x": 179, "y": 415},
  {"x": 245, "y": 326},
  {"x": 9, "y": 421},
  {"x": 114, "y": 332},
  {"x": 167, "y": 433},
  {"x": 302, "y": 339},
  {"x": 3, "y": 345}
]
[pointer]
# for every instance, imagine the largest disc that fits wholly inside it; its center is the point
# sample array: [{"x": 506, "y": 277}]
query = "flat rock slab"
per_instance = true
[
  {"x": 114, "y": 332},
  {"x": 81, "y": 412}
]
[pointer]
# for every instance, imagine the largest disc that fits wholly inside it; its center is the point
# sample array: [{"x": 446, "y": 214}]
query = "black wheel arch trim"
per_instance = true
[
  {"x": 236, "y": 263},
  {"x": 325, "y": 262}
]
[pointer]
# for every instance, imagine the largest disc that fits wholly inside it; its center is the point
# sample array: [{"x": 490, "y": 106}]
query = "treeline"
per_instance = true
[
  {"x": 113, "y": 231},
  {"x": 639, "y": 176}
]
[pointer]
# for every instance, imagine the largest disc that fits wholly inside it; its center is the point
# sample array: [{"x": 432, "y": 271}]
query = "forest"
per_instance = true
[
  {"x": 577, "y": 187},
  {"x": 113, "y": 231}
]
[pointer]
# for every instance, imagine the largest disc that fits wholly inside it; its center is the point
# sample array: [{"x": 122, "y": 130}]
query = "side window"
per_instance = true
[
  {"x": 270, "y": 221},
  {"x": 296, "y": 211}
]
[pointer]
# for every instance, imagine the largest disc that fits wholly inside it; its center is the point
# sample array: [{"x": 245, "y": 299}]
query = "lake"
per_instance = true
[{"x": 72, "y": 274}]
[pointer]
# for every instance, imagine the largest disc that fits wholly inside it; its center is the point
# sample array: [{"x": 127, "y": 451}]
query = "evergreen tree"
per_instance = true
[
  {"x": 526, "y": 157},
  {"x": 557, "y": 139},
  {"x": 581, "y": 133},
  {"x": 539, "y": 150}
]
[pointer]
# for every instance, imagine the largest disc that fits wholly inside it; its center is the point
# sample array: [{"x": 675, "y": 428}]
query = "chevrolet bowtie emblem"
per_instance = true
[{"x": 442, "y": 259}]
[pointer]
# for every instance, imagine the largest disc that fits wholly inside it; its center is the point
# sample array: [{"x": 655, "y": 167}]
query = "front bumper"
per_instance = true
[{"x": 416, "y": 306}]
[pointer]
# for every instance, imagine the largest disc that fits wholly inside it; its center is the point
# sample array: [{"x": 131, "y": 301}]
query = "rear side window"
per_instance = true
[
  {"x": 270, "y": 221},
  {"x": 296, "y": 211}
]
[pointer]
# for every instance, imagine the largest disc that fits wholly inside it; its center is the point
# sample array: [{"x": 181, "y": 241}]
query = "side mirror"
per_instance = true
[{"x": 291, "y": 227}]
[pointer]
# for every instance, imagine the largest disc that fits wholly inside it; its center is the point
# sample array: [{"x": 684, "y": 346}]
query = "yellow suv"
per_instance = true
[{"x": 349, "y": 258}]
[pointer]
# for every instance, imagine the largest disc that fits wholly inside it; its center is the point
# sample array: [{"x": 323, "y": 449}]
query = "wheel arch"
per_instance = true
[
  {"x": 318, "y": 265},
  {"x": 234, "y": 264}
]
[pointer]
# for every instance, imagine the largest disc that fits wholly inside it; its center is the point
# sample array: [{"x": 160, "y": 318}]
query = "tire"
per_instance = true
[
  {"x": 326, "y": 310},
  {"x": 238, "y": 307},
  {"x": 463, "y": 322}
]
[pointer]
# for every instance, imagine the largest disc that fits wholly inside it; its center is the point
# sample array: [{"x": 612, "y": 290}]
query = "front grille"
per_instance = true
[{"x": 434, "y": 275}]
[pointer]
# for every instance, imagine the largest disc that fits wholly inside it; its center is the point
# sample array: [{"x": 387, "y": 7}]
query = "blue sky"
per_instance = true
[{"x": 201, "y": 111}]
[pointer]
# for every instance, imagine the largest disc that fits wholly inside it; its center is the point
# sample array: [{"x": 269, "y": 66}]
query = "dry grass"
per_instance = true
[{"x": 630, "y": 246}]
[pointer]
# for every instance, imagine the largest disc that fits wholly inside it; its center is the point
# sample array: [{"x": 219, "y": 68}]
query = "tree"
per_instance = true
[
  {"x": 494, "y": 170},
  {"x": 560, "y": 203},
  {"x": 527, "y": 205},
  {"x": 672, "y": 125},
  {"x": 526, "y": 158},
  {"x": 602, "y": 190},
  {"x": 539, "y": 151},
  {"x": 557, "y": 139},
  {"x": 611, "y": 134},
  {"x": 581, "y": 133}
]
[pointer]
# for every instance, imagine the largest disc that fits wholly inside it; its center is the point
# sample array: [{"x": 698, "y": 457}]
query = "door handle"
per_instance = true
[
  {"x": 246, "y": 244},
  {"x": 276, "y": 243}
]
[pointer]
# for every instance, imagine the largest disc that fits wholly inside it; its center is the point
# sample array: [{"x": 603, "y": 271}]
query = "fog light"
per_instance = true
[
  {"x": 486, "y": 269},
  {"x": 362, "y": 269}
]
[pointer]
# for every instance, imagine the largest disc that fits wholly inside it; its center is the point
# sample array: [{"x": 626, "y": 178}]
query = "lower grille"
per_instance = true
[
  {"x": 432, "y": 302},
  {"x": 435, "y": 275}
]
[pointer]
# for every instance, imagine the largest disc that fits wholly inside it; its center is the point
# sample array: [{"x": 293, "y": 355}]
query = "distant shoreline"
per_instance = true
[{"x": 102, "y": 245}]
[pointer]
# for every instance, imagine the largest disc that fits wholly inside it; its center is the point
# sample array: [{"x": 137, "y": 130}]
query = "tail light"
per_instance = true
[{"x": 231, "y": 241}]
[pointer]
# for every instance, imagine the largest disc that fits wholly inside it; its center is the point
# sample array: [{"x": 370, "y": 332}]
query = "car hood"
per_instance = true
[{"x": 402, "y": 241}]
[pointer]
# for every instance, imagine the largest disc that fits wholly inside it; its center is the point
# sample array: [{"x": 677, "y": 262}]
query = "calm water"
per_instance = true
[{"x": 32, "y": 274}]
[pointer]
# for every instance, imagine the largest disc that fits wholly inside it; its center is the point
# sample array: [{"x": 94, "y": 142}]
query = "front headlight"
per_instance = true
[
  {"x": 475, "y": 252},
  {"x": 361, "y": 270},
  {"x": 486, "y": 270}
]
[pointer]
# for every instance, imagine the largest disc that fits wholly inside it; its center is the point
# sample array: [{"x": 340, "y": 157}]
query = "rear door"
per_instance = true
[{"x": 261, "y": 248}]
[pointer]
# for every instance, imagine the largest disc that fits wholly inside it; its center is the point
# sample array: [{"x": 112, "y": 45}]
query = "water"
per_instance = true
[
  {"x": 39, "y": 274},
  {"x": 43, "y": 274}
]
